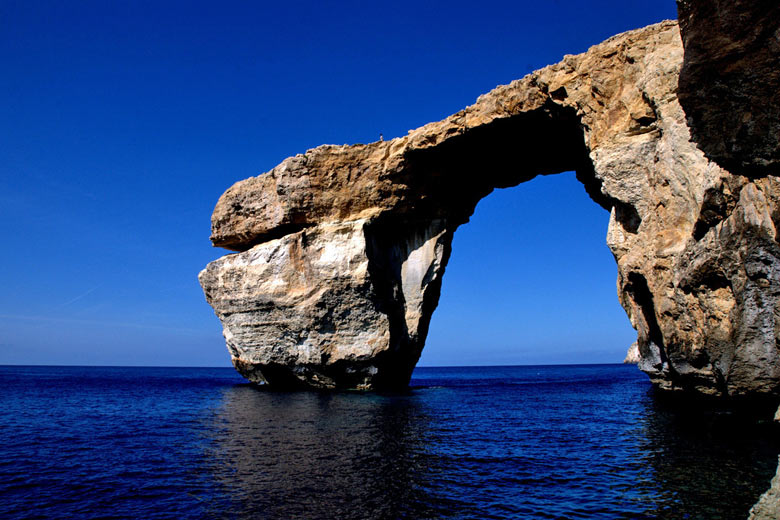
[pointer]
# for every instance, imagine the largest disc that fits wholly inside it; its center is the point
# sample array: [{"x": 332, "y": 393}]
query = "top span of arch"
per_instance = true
[{"x": 569, "y": 116}]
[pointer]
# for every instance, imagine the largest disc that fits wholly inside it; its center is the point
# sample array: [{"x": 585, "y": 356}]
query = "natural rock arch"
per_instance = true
[{"x": 342, "y": 249}]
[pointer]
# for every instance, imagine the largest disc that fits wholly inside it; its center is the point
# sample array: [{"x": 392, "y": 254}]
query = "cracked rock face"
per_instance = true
[
  {"x": 729, "y": 81},
  {"x": 337, "y": 305},
  {"x": 768, "y": 505},
  {"x": 341, "y": 250}
]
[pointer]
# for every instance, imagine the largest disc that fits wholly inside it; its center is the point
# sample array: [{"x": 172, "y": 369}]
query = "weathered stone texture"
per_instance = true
[
  {"x": 344, "y": 247},
  {"x": 335, "y": 305},
  {"x": 768, "y": 506},
  {"x": 729, "y": 81}
]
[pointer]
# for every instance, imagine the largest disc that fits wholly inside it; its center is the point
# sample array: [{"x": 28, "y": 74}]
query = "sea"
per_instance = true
[{"x": 564, "y": 442}]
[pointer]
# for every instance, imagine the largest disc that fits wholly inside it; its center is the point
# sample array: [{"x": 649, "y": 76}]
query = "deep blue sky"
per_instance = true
[{"x": 121, "y": 123}]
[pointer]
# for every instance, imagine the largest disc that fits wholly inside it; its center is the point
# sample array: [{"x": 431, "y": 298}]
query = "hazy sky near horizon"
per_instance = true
[{"x": 123, "y": 122}]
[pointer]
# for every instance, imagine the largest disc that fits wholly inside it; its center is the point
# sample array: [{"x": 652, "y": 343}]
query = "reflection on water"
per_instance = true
[
  {"x": 512, "y": 444},
  {"x": 312, "y": 455},
  {"x": 707, "y": 461}
]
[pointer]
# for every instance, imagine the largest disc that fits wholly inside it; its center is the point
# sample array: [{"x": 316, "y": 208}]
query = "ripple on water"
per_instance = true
[{"x": 502, "y": 442}]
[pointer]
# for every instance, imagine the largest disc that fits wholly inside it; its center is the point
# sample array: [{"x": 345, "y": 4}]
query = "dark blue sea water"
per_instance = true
[{"x": 498, "y": 442}]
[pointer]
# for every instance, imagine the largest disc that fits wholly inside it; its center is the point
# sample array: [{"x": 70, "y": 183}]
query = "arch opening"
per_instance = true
[
  {"x": 449, "y": 180},
  {"x": 530, "y": 281}
]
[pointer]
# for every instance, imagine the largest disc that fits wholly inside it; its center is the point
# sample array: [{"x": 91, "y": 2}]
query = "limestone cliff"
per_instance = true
[
  {"x": 341, "y": 250},
  {"x": 729, "y": 86},
  {"x": 632, "y": 356}
]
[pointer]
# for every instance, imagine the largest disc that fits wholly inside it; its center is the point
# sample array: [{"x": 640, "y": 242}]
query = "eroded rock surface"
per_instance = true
[
  {"x": 768, "y": 506},
  {"x": 342, "y": 304},
  {"x": 730, "y": 79},
  {"x": 342, "y": 249}
]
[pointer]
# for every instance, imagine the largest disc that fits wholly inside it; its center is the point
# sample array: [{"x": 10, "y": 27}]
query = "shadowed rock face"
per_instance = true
[
  {"x": 729, "y": 81},
  {"x": 341, "y": 250}
]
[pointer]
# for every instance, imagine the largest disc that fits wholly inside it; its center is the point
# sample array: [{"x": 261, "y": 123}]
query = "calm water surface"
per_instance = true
[{"x": 498, "y": 442}]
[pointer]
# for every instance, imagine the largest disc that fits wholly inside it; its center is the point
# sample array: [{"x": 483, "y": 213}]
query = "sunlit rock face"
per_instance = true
[
  {"x": 342, "y": 249},
  {"x": 343, "y": 304}
]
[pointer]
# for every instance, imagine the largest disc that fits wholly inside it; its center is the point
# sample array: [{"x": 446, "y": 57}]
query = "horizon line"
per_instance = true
[{"x": 5, "y": 365}]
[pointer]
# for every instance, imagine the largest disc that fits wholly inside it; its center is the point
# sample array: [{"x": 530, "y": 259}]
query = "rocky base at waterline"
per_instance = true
[
  {"x": 768, "y": 506},
  {"x": 342, "y": 249}
]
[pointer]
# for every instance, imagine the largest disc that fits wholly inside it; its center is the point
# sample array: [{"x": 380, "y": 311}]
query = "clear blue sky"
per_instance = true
[{"x": 121, "y": 123}]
